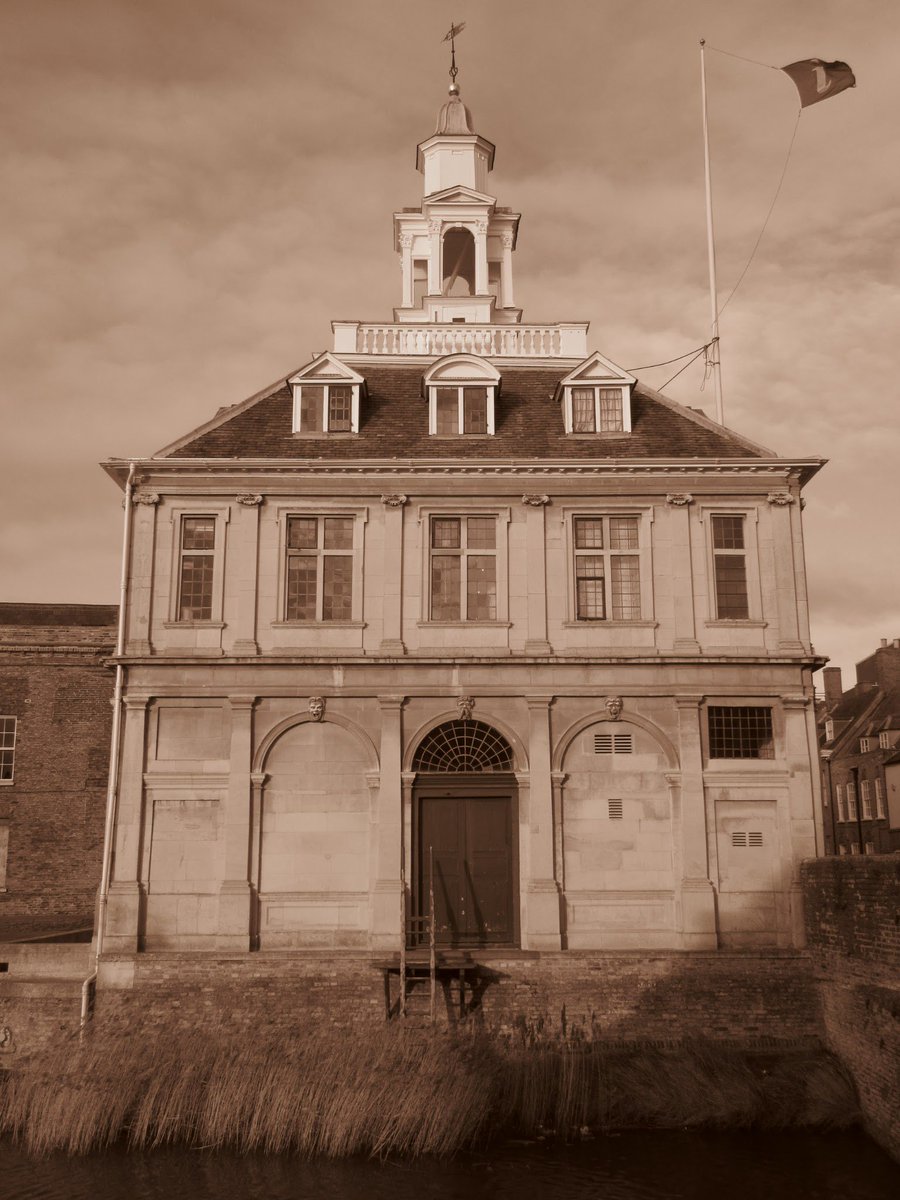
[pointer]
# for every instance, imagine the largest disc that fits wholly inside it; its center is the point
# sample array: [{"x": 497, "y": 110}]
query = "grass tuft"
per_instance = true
[{"x": 398, "y": 1090}]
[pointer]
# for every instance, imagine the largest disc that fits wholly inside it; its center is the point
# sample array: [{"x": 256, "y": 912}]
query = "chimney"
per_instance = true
[{"x": 831, "y": 680}]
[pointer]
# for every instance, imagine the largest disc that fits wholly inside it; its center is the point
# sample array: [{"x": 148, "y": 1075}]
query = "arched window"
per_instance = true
[
  {"x": 459, "y": 263},
  {"x": 457, "y": 746}
]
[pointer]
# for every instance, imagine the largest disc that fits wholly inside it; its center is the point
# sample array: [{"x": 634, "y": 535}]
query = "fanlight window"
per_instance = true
[{"x": 463, "y": 746}]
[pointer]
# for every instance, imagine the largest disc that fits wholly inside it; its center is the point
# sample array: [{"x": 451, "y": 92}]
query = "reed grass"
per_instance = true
[{"x": 397, "y": 1090}]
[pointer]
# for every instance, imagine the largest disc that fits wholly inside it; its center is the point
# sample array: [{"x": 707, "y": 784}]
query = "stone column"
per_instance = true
[
  {"x": 235, "y": 891},
  {"x": 434, "y": 258},
  {"x": 481, "y": 271},
  {"x": 140, "y": 592},
  {"x": 698, "y": 901},
  {"x": 506, "y": 280},
  {"x": 392, "y": 583},
  {"x": 244, "y": 570},
  {"x": 558, "y": 778},
  {"x": 682, "y": 572},
  {"x": 123, "y": 914},
  {"x": 406, "y": 241},
  {"x": 386, "y": 892},
  {"x": 780, "y": 506},
  {"x": 542, "y": 917},
  {"x": 536, "y": 566}
]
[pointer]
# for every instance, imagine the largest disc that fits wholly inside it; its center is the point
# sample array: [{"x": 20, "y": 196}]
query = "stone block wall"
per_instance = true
[{"x": 853, "y": 931}]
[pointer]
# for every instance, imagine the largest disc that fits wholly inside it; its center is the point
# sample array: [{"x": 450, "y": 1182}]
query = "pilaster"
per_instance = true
[
  {"x": 392, "y": 582},
  {"x": 679, "y": 506},
  {"x": 123, "y": 920},
  {"x": 406, "y": 241},
  {"x": 780, "y": 506},
  {"x": 698, "y": 901},
  {"x": 244, "y": 570},
  {"x": 536, "y": 578},
  {"x": 386, "y": 931},
  {"x": 235, "y": 893},
  {"x": 542, "y": 925},
  {"x": 506, "y": 280},
  {"x": 140, "y": 592}
]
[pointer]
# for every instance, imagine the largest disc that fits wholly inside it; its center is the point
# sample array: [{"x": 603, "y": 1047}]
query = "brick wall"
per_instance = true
[
  {"x": 748, "y": 998},
  {"x": 853, "y": 932},
  {"x": 55, "y": 681}
]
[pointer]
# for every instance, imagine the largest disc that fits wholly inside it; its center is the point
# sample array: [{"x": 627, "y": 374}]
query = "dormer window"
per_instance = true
[
  {"x": 326, "y": 398},
  {"x": 461, "y": 391},
  {"x": 596, "y": 398}
]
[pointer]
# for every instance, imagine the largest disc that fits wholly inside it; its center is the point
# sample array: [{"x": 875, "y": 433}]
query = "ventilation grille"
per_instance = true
[
  {"x": 612, "y": 743},
  {"x": 742, "y": 838},
  {"x": 615, "y": 810},
  {"x": 463, "y": 746}
]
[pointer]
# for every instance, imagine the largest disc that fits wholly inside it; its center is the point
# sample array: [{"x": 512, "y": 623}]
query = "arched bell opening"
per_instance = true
[
  {"x": 458, "y": 273},
  {"x": 465, "y": 845}
]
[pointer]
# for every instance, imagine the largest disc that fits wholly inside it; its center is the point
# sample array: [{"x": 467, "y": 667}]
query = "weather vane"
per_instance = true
[{"x": 450, "y": 37}]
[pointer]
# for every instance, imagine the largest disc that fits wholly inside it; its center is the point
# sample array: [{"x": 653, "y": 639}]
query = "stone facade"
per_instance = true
[
  {"x": 459, "y": 528},
  {"x": 55, "y": 692}
]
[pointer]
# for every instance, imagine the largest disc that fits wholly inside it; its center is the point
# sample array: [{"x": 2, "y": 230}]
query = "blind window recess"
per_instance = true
[
  {"x": 613, "y": 743},
  {"x": 615, "y": 810}
]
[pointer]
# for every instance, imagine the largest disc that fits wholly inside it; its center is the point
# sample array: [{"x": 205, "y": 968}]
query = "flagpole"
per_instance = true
[{"x": 714, "y": 357}]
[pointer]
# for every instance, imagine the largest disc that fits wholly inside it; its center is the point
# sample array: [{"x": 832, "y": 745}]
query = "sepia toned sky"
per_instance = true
[{"x": 192, "y": 191}]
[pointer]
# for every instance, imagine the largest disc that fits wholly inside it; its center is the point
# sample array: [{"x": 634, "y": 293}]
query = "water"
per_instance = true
[{"x": 632, "y": 1166}]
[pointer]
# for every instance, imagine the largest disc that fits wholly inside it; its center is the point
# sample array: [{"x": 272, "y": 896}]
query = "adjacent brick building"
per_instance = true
[
  {"x": 55, "y": 718},
  {"x": 859, "y": 740}
]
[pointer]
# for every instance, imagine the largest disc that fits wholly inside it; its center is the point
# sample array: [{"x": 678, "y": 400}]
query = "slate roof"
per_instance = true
[{"x": 394, "y": 424}]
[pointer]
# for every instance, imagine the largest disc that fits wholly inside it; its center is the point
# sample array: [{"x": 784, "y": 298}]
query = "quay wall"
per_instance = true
[{"x": 853, "y": 939}]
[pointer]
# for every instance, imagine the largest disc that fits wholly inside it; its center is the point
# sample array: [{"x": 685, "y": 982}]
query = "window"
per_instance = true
[
  {"x": 866, "y": 744},
  {"x": 326, "y": 408},
  {"x": 740, "y": 732},
  {"x": 865, "y": 799},
  {"x": 326, "y": 398},
  {"x": 730, "y": 567},
  {"x": 839, "y": 798},
  {"x": 854, "y": 847},
  {"x": 842, "y": 849},
  {"x": 870, "y": 848},
  {"x": 615, "y": 810},
  {"x": 851, "y": 804},
  {"x": 196, "y": 568},
  {"x": 597, "y": 410},
  {"x": 884, "y": 741},
  {"x": 320, "y": 563},
  {"x": 879, "y": 800},
  {"x": 461, "y": 410},
  {"x": 7, "y": 748},
  {"x": 829, "y": 730},
  {"x": 463, "y": 569},
  {"x": 607, "y": 568}
]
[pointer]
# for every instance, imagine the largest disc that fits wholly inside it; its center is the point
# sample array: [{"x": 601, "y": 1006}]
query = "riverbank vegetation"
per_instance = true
[{"x": 398, "y": 1090}]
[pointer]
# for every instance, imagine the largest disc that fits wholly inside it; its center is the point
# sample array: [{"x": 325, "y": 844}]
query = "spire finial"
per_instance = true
[{"x": 450, "y": 37}]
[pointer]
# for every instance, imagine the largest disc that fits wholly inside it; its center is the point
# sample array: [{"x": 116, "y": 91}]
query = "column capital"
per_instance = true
[
  {"x": 148, "y": 498},
  {"x": 258, "y": 778},
  {"x": 242, "y": 703},
  {"x": 394, "y": 499},
  {"x": 506, "y": 240},
  {"x": 795, "y": 701},
  {"x": 679, "y": 499},
  {"x": 373, "y": 780},
  {"x": 780, "y": 499},
  {"x": 249, "y": 499},
  {"x": 558, "y": 778},
  {"x": 688, "y": 702},
  {"x": 135, "y": 703},
  {"x": 407, "y": 778},
  {"x": 539, "y": 702},
  {"x": 391, "y": 703},
  {"x": 535, "y": 499}
]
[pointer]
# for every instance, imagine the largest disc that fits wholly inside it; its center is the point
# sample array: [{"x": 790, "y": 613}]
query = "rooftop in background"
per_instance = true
[{"x": 82, "y": 615}]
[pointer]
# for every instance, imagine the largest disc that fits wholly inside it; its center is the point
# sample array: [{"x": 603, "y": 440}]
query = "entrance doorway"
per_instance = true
[
  {"x": 465, "y": 850},
  {"x": 464, "y": 835}
]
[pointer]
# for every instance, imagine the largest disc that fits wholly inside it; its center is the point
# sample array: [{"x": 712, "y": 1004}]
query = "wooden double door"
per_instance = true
[{"x": 465, "y": 847}]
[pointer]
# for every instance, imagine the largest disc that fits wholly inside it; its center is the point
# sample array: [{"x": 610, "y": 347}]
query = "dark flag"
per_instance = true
[{"x": 817, "y": 80}]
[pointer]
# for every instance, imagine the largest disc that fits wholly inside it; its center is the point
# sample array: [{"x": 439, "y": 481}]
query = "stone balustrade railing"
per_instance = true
[{"x": 492, "y": 341}]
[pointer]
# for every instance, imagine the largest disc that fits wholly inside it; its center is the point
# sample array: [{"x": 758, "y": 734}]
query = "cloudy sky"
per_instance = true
[{"x": 194, "y": 190}]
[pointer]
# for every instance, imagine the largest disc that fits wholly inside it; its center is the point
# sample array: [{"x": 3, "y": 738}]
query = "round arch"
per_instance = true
[
  {"x": 277, "y": 731},
  {"x": 520, "y": 757},
  {"x": 630, "y": 718}
]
